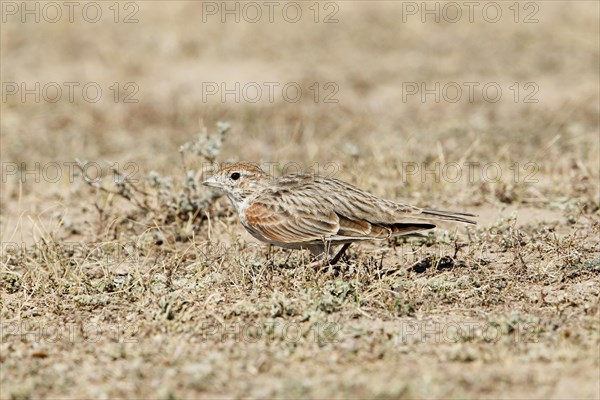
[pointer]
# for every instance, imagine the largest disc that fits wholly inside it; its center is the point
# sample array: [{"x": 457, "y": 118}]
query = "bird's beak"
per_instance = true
[{"x": 212, "y": 182}]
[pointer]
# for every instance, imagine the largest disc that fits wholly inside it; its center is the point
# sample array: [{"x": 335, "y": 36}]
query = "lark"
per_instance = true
[{"x": 318, "y": 213}]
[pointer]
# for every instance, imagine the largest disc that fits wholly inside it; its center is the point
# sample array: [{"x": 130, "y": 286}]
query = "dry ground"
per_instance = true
[{"x": 147, "y": 286}]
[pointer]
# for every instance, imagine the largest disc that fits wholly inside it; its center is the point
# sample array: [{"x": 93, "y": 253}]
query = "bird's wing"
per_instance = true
[
  {"x": 285, "y": 222},
  {"x": 304, "y": 215},
  {"x": 282, "y": 225}
]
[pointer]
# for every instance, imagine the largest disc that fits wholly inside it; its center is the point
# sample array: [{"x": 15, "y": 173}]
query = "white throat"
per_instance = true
[{"x": 240, "y": 205}]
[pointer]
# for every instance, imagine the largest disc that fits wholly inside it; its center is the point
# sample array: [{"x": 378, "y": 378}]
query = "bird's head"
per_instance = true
[{"x": 238, "y": 181}]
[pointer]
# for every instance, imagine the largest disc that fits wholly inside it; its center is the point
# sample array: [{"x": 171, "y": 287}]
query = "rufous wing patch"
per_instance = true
[
  {"x": 354, "y": 228},
  {"x": 284, "y": 226}
]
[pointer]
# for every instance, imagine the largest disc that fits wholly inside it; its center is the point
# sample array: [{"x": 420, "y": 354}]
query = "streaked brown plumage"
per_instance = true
[{"x": 306, "y": 211}]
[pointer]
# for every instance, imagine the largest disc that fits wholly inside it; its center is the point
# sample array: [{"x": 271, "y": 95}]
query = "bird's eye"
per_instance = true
[{"x": 235, "y": 176}]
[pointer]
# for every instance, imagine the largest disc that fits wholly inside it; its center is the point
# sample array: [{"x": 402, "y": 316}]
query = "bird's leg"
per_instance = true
[
  {"x": 340, "y": 253},
  {"x": 324, "y": 255}
]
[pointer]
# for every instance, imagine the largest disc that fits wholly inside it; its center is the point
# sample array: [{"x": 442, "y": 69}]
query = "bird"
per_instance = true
[{"x": 306, "y": 211}]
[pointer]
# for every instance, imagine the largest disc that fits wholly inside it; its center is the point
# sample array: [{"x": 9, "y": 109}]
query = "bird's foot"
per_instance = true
[{"x": 317, "y": 265}]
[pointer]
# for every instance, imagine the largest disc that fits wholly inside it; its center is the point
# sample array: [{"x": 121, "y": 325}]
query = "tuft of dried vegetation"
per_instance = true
[{"x": 173, "y": 208}]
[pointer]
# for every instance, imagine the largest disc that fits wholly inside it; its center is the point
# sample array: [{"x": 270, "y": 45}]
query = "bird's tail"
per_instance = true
[{"x": 450, "y": 216}]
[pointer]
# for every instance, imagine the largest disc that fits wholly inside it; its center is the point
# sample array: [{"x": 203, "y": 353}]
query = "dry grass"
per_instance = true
[{"x": 147, "y": 286}]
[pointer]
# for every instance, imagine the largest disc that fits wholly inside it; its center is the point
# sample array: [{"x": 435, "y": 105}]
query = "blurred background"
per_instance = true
[{"x": 382, "y": 83}]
